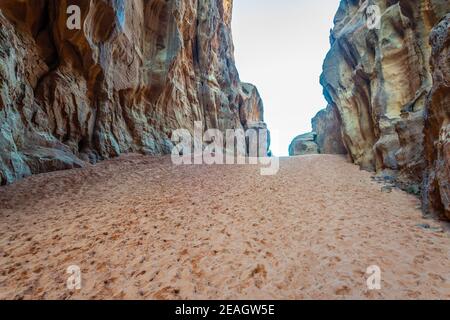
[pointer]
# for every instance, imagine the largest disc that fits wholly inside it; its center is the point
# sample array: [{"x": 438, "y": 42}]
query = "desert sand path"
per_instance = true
[{"x": 139, "y": 227}]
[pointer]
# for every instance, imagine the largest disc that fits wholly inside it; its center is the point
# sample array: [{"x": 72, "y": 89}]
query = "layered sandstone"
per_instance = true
[
  {"x": 136, "y": 71},
  {"x": 379, "y": 81}
]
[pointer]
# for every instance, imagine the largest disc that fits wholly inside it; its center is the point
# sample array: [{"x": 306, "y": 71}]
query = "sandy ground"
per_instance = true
[{"x": 139, "y": 227}]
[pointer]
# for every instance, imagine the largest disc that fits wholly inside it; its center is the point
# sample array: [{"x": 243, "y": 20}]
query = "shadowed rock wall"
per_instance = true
[{"x": 136, "y": 71}]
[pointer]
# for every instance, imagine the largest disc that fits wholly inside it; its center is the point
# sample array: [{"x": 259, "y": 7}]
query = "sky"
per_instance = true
[{"x": 280, "y": 47}]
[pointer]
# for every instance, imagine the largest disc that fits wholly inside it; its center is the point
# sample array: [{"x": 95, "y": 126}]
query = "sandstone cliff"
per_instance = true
[
  {"x": 392, "y": 104},
  {"x": 135, "y": 71},
  {"x": 437, "y": 123},
  {"x": 327, "y": 126},
  {"x": 326, "y": 137}
]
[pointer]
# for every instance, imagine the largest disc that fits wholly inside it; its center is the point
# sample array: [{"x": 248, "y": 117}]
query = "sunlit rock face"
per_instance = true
[
  {"x": 136, "y": 71},
  {"x": 380, "y": 81}
]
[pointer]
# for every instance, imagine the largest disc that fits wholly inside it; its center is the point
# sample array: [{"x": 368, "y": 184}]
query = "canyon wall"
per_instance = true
[
  {"x": 133, "y": 73},
  {"x": 389, "y": 85},
  {"x": 437, "y": 123}
]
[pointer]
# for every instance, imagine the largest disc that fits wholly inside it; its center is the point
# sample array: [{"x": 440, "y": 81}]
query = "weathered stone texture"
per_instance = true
[
  {"x": 136, "y": 71},
  {"x": 385, "y": 91},
  {"x": 437, "y": 123},
  {"x": 327, "y": 126},
  {"x": 304, "y": 144}
]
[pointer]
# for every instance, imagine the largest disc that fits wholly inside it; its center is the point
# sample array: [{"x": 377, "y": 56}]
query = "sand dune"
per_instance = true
[{"x": 141, "y": 228}]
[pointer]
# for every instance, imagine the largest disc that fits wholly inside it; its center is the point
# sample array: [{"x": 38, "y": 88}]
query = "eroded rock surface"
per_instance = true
[
  {"x": 327, "y": 126},
  {"x": 384, "y": 90},
  {"x": 326, "y": 137},
  {"x": 136, "y": 71},
  {"x": 303, "y": 145},
  {"x": 437, "y": 125}
]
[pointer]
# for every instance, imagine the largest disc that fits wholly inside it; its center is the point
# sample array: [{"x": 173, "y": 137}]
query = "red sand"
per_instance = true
[{"x": 139, "y": 227}]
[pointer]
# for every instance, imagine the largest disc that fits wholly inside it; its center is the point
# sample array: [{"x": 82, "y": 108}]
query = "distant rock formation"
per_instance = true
[
  {"x": 303, "y": 145},
  {"x": 136, "y": 71},
  {"x": 326, "y": 137},
  {"x": 390, "y": 103},
  {"x": 327, "y": 126}
]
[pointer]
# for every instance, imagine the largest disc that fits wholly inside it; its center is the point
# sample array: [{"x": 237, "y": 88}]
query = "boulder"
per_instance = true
[{"x": 303, "y": 145}]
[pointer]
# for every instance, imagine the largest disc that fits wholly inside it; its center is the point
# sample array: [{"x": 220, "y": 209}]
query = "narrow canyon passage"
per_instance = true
[{"x": 139, "y": 227}]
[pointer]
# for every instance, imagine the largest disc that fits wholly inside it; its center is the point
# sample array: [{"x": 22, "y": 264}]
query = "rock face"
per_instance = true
[
  {"x": 303, "y": 145},
  {"x": 327, "y": 126},
  {"x": 437, "y": 123},
  {"x": 392, "y": 104},
  {"x": 326, "y": 137},
  {"x": 133, "y": 73}
]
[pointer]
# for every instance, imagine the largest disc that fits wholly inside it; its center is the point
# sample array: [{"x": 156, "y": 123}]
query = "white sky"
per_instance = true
[{"x": 280, "y": 46}]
